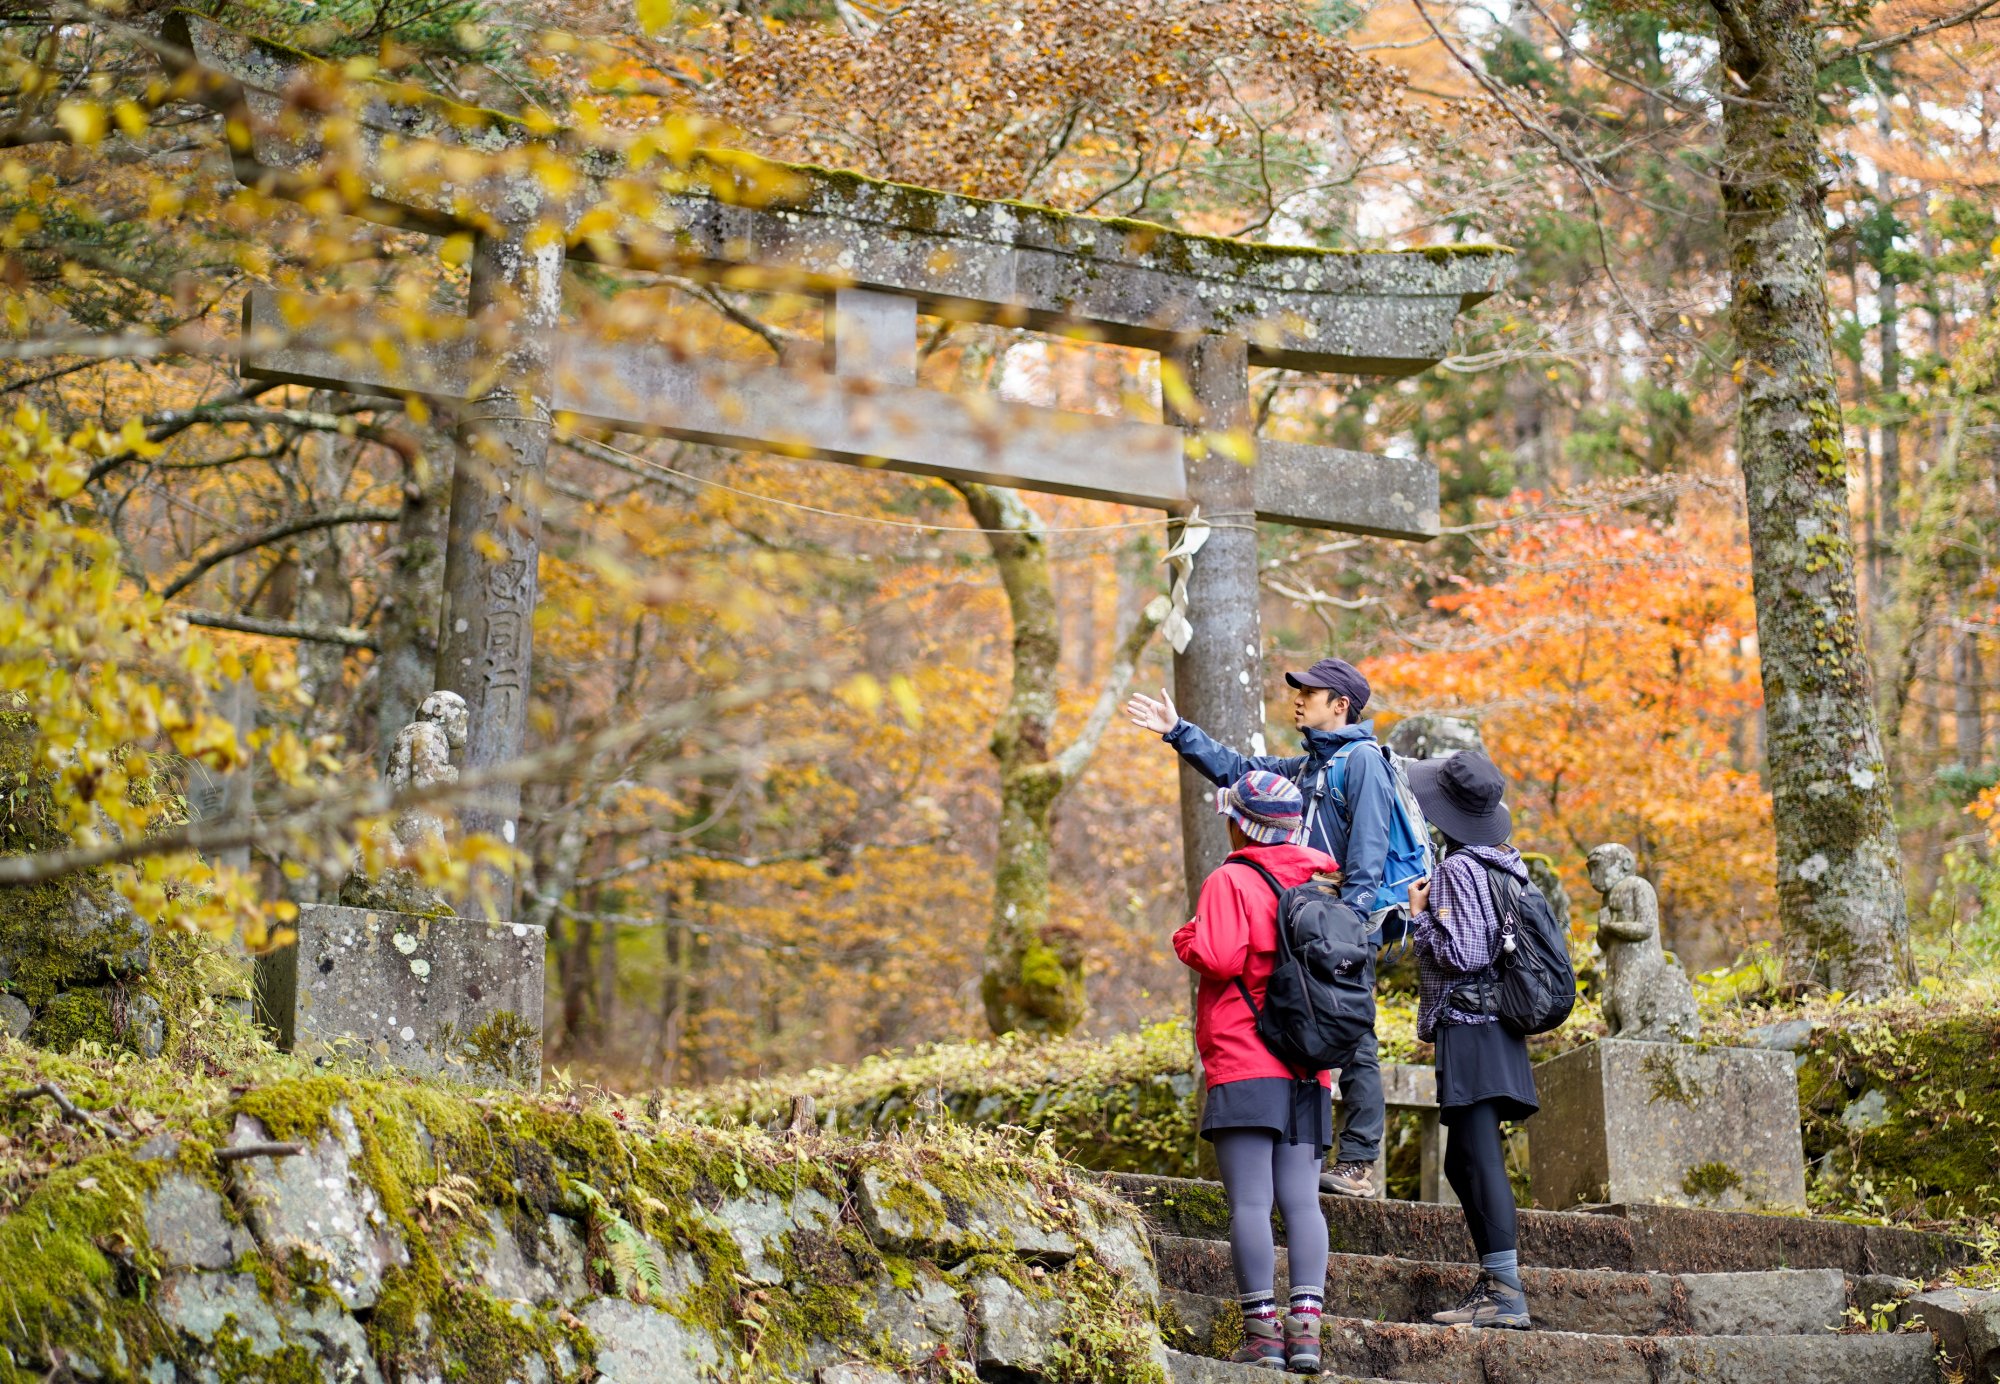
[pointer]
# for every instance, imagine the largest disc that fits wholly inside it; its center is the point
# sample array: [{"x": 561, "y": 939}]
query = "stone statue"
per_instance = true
[
  {"x": 1428, "y": 735},
  {"x": 421, "y": 757},
  {"x": 1646, "y": 995}
]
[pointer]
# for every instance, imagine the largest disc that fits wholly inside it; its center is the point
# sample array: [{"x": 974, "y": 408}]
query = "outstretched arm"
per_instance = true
[{"x": 1213, "y": 760}]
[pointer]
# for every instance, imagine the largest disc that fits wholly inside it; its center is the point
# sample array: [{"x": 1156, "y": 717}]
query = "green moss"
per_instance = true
[
  {"x": 69, "y": 1251},
  {"x": 73, "y": 1017},
  {"x": 1711, "y": 1181},
  {"x": 506, "y": 1047},
  {"x": 1935, "y": 1155},
  {"x": 1668, "y": 1081}
]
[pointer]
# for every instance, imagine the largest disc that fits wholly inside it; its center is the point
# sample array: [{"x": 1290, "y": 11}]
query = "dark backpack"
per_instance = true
[
  {"x": 1531, "y": 986},
  {"x": 1320, "y": 1002}
]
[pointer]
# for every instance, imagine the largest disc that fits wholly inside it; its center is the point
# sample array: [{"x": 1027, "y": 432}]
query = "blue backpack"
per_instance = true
[{"x": 1410, "y": 857}]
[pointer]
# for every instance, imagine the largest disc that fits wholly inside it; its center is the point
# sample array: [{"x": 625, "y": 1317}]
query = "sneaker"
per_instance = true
[
  {"x": 1302, "y": 1342},
  {"x": 1490, "y": 1303},
  {"x": 1349, "y": 1180},
  {"x": 1263, "y": 1344}
]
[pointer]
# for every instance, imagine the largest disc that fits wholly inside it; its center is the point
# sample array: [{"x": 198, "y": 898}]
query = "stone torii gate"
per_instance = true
[{"x": 878, "y": 254}]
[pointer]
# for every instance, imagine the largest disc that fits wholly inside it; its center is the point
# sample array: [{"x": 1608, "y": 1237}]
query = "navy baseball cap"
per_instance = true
[{"x": 1337, "y": 676}]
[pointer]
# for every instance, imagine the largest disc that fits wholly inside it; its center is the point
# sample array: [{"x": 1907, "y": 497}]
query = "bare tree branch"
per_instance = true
[
  {"x": 352, "y": 514},
  {"x": 344, "y": 635},
  {"x": 1879, "y": 45},
  {"x": 307, "y": 810}
]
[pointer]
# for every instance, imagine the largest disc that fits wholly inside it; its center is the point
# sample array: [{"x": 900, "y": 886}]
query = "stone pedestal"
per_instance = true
[
  {"x": 1628, "y": 1122},
  {"x": 455, "y": 997}
]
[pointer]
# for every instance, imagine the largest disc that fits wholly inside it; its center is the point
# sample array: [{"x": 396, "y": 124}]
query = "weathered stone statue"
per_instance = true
[
  {"x": 1428, "y": 735},
  {"x": 421, "y": 757},
  {"x": 1647, "y": 996}
]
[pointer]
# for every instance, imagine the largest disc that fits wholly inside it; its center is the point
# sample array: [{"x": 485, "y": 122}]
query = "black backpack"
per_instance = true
[
  {"x": 1531, "y": 986},
  {"x": 1320, "y": 1002}
]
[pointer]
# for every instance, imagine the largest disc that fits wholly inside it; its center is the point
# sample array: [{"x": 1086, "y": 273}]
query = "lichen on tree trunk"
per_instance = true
[
  {"x": 1033, "y": 979},
  {"x": 1840, "y": 884}
]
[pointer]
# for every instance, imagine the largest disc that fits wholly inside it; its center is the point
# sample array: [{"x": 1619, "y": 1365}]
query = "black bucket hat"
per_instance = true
[{"x": 1463, "y": 797}]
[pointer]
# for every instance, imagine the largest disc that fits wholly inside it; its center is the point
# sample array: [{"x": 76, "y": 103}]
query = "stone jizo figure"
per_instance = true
[
  {"x": 1647, "y": 996},
  {"x": 421, "y": 757}
]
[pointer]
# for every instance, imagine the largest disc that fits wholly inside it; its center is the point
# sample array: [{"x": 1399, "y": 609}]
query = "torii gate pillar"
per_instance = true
[
  {"x": 486, "y": 627},
  {"x": 1218, "y": 678}
]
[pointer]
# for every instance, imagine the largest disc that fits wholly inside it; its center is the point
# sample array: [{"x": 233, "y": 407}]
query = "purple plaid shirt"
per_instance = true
[{"x": 1456, "y": 936}]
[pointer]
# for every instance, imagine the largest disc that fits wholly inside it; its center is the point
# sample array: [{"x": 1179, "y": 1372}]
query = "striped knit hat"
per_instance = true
[{"x": 1266, "y": 805}]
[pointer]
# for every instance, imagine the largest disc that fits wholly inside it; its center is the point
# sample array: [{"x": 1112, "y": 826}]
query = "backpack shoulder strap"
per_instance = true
[{"x": 1269, "y": 878}]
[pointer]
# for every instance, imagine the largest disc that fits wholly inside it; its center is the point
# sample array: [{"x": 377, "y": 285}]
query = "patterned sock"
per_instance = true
[
  {"x": 1260, "y": 1312},
  {"x": 1308, "y": 1302},
  {"x": 1504, "y": 1265}
]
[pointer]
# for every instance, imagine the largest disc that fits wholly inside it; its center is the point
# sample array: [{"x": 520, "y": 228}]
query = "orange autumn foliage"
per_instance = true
[{"x": 1611, "y": 663}]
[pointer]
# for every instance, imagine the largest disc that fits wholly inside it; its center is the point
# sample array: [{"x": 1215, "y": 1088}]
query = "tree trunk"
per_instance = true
[
  {"x": 406, "y": 664},
  {"x": 1840, "y": 885},
  {"x": 1965, "y": 677},
  {"x": 1892, "y": 356},
  {"x": 1033, "y": 979}
]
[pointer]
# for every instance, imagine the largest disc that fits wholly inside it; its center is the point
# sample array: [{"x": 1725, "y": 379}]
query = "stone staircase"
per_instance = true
[{"x": 1629, "y": 1295}]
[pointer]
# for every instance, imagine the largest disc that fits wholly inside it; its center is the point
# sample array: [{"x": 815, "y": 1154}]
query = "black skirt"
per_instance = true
[
  {"x": 1297, "y": 1112},
  {"x": 1477, "y": 1062}
]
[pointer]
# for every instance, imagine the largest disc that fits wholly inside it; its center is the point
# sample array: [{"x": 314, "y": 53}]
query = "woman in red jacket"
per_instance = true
[{"x": 1271, "y": 1126}]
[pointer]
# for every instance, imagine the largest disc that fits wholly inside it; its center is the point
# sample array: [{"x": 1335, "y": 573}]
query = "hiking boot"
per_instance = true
[
  {"x": 1302, "y": 1342},
  {"x": 1349, "y": 1180},
  {"x": 1263, "y": 1344},
  {"x": 1490, "y": 1303}
]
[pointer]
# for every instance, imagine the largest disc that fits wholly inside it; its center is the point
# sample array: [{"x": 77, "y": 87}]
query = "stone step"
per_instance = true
[
  {"x": 1183, "y": 1368},
  {"x": 1663, "y": 1239},
  {"x": 1590, "y": 1302},
  {"x": 1461, "y": 1355}
]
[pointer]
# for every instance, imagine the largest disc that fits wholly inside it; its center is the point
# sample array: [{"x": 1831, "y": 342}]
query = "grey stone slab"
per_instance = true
[
  {"x": 1123, "y": 1247},
  {"x": 1408, "y": 1229},
  {"x": 912, "y": 1217},
  {"x": 1793, "y": 1302},
  {"x": 547, "y": 1269},
  {"x": 854, "y": 1372},
  {"x": 1827, "y": 1359},
  {"x": 1966, "y": 1323},
  {"x": 436, "y": 996},
  {"x": 1391, "y": 497},
  {"x": 316, "y": 1206},
  {"x": 338, "y": 1340},
  {"x": 15, "y": 1016},
  {"x": 1681, "y": 1239},
  {"x": 1182, "y": 1368},
  {"x": 203, "y": 1305},
  {"x": 762, "y": 1223},
  {"x": 1582, "y": 1301},
  {"x": 910, "y": 1324},
  {"x": 638, "y": 386},
  {"x": 1138, "y": 284},
  {"x": 1012, "y": 1330},
  {"x": 1667, "y": 1122},
  {"x": 641, "y": 1345},
  {"x": 188, "y": 1228}
]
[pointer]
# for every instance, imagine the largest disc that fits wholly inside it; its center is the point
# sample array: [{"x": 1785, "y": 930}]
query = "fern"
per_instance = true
[{"x": 626, "y": 1256}]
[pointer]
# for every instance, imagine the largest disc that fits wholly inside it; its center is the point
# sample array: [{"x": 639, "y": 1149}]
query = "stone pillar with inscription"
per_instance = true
[
  {"x": 485, "y": 635},
  {"x": 1218, "y": 678}
]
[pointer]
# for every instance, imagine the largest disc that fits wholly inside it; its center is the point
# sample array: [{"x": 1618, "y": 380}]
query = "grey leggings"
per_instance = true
[{"x": 1259, "y": 1168}]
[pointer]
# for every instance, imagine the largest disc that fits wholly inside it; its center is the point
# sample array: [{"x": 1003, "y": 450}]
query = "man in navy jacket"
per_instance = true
[{"x": 1348, "y": 809}]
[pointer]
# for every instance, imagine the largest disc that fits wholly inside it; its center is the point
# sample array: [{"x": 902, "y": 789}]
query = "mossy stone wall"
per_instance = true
[{"x": 433, "y": 1231}]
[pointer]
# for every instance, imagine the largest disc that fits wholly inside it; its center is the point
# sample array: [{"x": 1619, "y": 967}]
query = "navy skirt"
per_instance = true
[
  {"x": 1297, "y": 1112},
  {"x": 1477, "y": 1062}
]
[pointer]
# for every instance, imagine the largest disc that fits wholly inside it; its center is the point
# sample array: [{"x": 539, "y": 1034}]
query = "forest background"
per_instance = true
[{"x": 1589, "y": 603}]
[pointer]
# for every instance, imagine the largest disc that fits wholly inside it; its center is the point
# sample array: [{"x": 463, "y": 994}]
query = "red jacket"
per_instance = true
[{"x": 1234, "y": 932}]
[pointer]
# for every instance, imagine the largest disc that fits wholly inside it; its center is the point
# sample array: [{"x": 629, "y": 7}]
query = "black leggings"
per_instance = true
[{"x": 1475, "y": 1164}]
